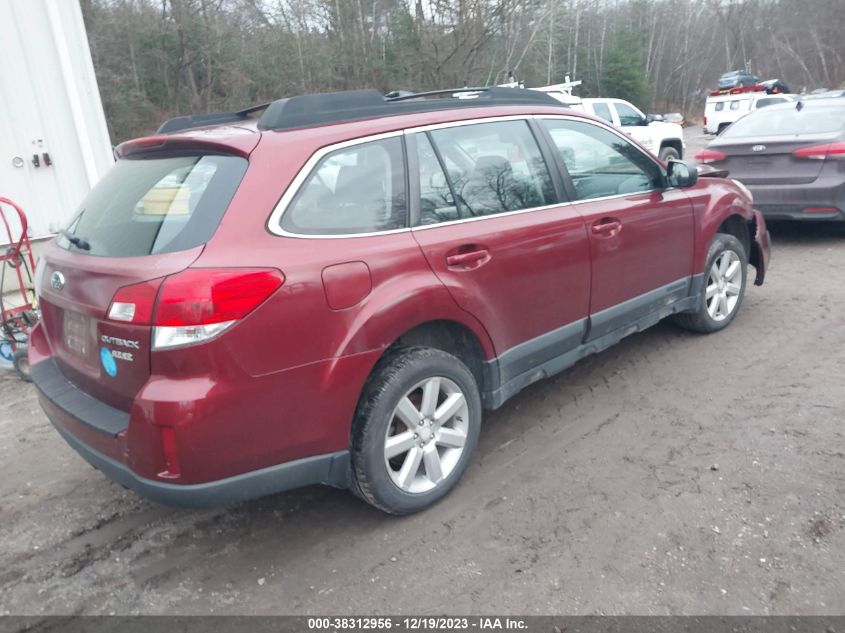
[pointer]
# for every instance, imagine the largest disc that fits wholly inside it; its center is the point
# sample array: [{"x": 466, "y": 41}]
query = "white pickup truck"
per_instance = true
[
  {"x": 665, "y": 140},
  {"x": 722, "y": 110}
]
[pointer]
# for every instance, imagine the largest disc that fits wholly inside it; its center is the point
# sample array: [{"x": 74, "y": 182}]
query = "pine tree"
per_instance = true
[{"x": 624, "y": 75}]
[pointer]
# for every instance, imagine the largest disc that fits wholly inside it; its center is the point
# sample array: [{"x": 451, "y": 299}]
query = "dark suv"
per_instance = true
[
  {"x": 737, "y": 79},
  {"x": 332, "y": 292}
]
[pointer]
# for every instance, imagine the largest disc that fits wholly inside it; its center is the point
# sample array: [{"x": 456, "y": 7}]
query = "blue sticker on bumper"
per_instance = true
[{"x": 108, "y": 361}]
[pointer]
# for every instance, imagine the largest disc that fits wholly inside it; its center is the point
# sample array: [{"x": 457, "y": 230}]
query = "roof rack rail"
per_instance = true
[
  {"x": 180, "y": 123},
  {"x": 354, "y": 105},
  {"x": 460, "y": 93}
]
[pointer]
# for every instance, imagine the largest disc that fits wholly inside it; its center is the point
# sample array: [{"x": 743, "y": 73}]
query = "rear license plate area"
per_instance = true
[
  {"x": 77, "y": 335},
  {"x": 759, "y": 162}
]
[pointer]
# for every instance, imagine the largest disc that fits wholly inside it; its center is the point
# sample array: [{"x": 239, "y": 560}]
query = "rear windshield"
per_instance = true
[
  {"x": 788, "y": 122},
  {"x": 153, "y": 205}
]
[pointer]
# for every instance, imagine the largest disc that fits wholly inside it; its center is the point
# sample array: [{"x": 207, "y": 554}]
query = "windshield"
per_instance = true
[
  {"x": 788, "y": 122},
  {"x": 149, "y": 205}
]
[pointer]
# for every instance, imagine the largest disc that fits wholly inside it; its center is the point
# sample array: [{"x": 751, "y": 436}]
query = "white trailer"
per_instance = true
[{"x": 54, "y": 143}]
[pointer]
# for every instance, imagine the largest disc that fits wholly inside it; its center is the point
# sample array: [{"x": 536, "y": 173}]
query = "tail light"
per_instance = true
[
  {"x": 834, "y": 150},
  {"x": 196, "y": 304},
  {"x": 705, "y": 121},
  {"x": 710, "y": 156},
  {"x": 134, "y": 304}
]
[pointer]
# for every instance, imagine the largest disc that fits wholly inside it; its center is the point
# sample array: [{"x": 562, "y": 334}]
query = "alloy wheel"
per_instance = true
[
  {"x": 426, "y": 435},
  {"x": 724, "y": 286}
]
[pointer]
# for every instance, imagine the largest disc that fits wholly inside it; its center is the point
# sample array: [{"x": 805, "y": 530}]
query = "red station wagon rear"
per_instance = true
[{"x": 331, "y": 293}]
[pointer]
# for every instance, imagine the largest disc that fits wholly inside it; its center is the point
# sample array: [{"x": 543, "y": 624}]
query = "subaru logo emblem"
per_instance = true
[
  {"x": 758, "y": 148},
  {"x": 57, "y": 280}
]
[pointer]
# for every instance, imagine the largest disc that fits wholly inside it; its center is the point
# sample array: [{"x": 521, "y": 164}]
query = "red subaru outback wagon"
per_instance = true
[{"x": 330, "y": 288}]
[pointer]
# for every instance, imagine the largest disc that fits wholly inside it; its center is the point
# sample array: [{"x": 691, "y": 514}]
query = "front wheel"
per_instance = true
[
  {"x": 720, "y": 298},
  {"x": 415, "y": 430}
]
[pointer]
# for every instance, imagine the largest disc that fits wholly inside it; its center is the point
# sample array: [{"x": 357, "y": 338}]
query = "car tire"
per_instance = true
[
  {"x": 20, "y": 360},
  {"x": 721, "y": 279},
  {"x": 404, "y": 459},
  {"x": 669, "y": 153}
]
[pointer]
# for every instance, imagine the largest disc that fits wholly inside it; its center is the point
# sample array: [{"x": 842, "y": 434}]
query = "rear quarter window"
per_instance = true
[
  {"x": 149, "y": 205},
  {"x": 357, "y": 189}
]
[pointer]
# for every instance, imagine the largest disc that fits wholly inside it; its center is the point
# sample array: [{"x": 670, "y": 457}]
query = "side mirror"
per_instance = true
[
  {"x": 651, "y": 118},
  {"x": 681, "y": 174}
]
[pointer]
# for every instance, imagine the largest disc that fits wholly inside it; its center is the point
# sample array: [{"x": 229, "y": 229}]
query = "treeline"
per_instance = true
[{"x": 158, "y": 58}]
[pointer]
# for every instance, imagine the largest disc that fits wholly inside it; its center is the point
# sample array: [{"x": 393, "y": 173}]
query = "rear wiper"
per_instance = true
[{"x": 76, "y": 241}]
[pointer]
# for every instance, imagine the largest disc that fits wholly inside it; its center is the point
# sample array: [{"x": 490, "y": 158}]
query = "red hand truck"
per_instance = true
[{"x": 18, "y": 308}]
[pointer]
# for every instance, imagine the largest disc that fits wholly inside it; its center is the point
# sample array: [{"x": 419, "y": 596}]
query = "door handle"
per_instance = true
[
  {"x": 468, "y": 259},
  {"x": 606, "y": 226}
]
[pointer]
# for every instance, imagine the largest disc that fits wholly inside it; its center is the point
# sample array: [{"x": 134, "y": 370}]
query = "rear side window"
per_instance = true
[
  {"x": 436, "y": 201},
  {"x": 789, "y": 121},
  {"x": 762, "y": 103},
  {"x": 149, "y": 205},
  {"x": 734, "y": 105},
  {"x": 357, "y": 189},
  {"x": 720, "y": 106},
  {"x": 494, "y": 167},
  {"x": 602, "y": 111},
  {"x": 601, "y": 163}
]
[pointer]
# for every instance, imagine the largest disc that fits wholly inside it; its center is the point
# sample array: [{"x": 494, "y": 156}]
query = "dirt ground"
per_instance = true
[{"x": 673, "y": 473}]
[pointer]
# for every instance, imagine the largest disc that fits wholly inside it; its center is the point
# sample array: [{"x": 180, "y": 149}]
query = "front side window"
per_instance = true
[
  {"x": 628, "y": 115},
  {"x": 357, "y": 189},
  {"x": 494, "y": 167},
  {"x": 602, "y": 111},
  {"x": 601, "y": 163}
]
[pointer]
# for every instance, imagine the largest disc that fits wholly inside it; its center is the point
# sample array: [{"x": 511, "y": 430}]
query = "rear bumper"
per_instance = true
[
  {"x": 99, "y": 434},
  {"x": 826, "y": 213},
  {"x": 321, "y": 469},
  {"x": 820, "y": 200}
]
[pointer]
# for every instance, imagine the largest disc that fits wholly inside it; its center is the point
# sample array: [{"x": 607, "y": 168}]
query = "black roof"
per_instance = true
[
  {"x": 353, "y": 105},
  {"x": 179, "y": 123}
]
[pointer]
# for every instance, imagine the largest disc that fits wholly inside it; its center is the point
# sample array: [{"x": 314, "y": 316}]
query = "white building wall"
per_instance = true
[{"x": 49, "y": 104}]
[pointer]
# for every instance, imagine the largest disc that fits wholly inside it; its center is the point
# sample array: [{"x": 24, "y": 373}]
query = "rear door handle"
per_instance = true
[
  {"x": 606, "y": 226},
  {"x": 468, "y": 259}
]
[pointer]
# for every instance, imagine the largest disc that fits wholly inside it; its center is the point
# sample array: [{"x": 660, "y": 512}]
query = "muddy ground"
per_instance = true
[{"x": 673, "y": 473}]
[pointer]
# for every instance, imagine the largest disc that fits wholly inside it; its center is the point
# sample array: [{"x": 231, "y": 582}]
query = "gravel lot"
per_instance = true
[{"x": 673, "y": 474}]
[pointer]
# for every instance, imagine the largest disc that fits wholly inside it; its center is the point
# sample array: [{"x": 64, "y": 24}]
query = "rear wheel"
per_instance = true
[
  {"x": 720, "y": 298},
  {"x": 669, "y": 153},
  {"x": 415, "y": 430},
  {"x": 21, "y": 362}
]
